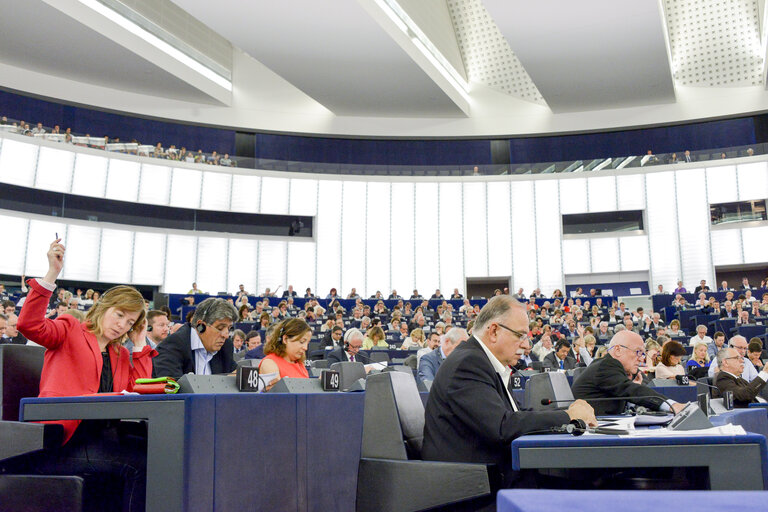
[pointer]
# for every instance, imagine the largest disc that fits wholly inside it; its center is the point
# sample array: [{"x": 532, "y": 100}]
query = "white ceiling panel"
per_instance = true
[
  {"x": 591, "y": 54},
  {"x": 333, "y": 51}
]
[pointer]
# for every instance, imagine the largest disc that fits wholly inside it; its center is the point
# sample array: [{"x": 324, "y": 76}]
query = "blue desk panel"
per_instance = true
[
  {"x": 753, "y": 420},
  {"x": 546, "y": 500},
  {"x": 542, "y": 450}
]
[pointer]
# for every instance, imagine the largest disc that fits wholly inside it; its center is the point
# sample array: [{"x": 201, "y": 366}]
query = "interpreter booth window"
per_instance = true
[
  {"x": 740, "y": 211},
  {"x": 619, "y": 222}
]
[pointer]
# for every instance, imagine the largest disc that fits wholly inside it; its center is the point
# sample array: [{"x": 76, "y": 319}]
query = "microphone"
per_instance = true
[{"x": 547, "y": 401}]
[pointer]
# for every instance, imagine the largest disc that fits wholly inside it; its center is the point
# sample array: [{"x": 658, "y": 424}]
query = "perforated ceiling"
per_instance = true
[
  {"x": 487, "y": 56},
  {"x": 715, "y": 43}
]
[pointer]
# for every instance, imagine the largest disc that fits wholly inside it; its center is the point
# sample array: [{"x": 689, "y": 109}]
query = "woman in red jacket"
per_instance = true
[{"x": 86, "y": 358}]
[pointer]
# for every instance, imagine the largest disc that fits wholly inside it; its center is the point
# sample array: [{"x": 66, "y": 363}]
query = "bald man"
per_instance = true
[
  {"x": 738, "y": 342},
  {"x": 616, "y": 375},
  {"x": 470, "y": 415}
]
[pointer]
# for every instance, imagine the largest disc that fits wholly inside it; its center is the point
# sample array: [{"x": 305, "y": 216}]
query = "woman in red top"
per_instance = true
[
  {"x": 86, "y": 358},
  {"x": 286, "y": 351}
]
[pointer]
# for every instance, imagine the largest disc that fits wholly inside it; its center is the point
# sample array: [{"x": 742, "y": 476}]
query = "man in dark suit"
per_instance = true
[
  {"x": 431, "y": 362},
  {"x": 701, "y": 288},
  {"x": 616, "y": 375},
  {"x": 202, "y": 348},
  {"x": 729, "y": 378},
  {"x": 526, "y": 358},
  {"x": 353, "y": 342},
  {"x": 332, "y": 337},
  {"x": 470, "y": 415},
  {"x": 560, "y": 359},
  {"x": 290, "y": 292}
]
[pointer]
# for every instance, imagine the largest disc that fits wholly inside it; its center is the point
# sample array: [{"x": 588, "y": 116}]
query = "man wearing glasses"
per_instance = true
[
  {"x": 731, "y": 365},
  {"x": 470, "y": 414},
  {"x": 204, "y": 347},
  {"x": 616, "y": 375}
]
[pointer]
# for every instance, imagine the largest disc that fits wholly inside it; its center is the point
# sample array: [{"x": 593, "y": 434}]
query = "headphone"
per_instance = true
[{"x": 202, "y": 309}]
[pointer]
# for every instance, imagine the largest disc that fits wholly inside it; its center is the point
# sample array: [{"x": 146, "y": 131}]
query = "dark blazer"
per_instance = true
[
  {"x": 469, "y": 417},
  {"x": 553, "y": 362},
  {"x": 256, "y": 353},
  {"x": 286, "y": 293},
  {"x": 744, "y": 393},
  {"x": 606, "y": 378},
  {"x": 522, "y": 364},
  {"x": 174, "y": 356},
  {"x": 337, "y": 356}
]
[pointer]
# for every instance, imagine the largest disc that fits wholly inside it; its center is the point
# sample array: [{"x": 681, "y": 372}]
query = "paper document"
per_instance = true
[
  {"x": 266, "y": 378},
  {"x": 723, "y": 430},
  {"x": 376, "y": 366}
]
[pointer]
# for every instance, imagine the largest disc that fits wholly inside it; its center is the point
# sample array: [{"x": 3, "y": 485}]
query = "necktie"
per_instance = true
[
  {"x": 562, "y": 366},
  {"x": 352, "y": 358}
]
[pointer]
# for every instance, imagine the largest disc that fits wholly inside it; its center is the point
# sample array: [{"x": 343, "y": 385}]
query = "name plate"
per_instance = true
[
  {"x": 248, "y": 379},
  {"x": 331, "y": 380},
  {"x": 682, "y": 380},
  {"x": 516, "y": 382}
]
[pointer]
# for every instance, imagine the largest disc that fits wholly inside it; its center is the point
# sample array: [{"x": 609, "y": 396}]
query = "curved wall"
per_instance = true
[
  {"x": 379, "y": 233},
  {"x": 697, "y": 136}
]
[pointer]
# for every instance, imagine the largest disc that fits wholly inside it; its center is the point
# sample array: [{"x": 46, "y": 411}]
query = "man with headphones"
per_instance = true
[
  {"x": 204, "y": 347},
  {"x": 353, "y": 341}
]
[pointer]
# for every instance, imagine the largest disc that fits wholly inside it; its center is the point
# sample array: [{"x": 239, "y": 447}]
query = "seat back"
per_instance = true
[
  {"x": 706, "y": 385},
  {"x": 20, "y": 369},
  {"x": 349, "y": 373},
  {"x": 549, "y": 385},
  {"x": 393, "y": 421},
  {"x": 378, "y": 357}
]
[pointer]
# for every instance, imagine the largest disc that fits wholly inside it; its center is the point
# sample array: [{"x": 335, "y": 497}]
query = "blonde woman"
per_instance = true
[{"x": 415, "y": 340}]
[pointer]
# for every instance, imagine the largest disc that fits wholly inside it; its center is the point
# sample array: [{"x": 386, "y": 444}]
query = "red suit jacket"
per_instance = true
[{"x": 73, "y": 361}]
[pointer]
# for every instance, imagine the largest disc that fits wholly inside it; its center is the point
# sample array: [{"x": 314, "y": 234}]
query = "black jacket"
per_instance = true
[
  {"x": 469, "y": 417},
  {"x": 174, "y": 356},
  {"x": 744, "y": 393},
  {"x": 606, "y": 378}
]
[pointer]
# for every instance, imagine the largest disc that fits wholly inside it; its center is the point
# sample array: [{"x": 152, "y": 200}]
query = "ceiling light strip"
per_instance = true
[{"x": 158, "y": 43}]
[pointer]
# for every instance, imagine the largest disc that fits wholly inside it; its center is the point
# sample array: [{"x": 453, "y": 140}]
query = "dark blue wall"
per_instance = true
[
  {"x": 667, "y": 139},
  {"x": 696, "y": 136},
  {"x": 98, "y": 123}
]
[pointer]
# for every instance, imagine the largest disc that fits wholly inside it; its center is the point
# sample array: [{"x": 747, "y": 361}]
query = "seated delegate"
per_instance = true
[
  {"x": 202, "y": 348},
  {"x": 286, "y": 350},
  {"x": 669, "y": 367},
  {"x": 617, "y": 375},
  {"x": 731, "y": 365},
  {"x": 86, "y": 358}
]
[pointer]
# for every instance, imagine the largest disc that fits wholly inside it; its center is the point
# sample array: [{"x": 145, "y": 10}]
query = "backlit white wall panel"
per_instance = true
[
  {"x": 54, "y": 169},
  {"x": 753, "y": 181},
  {"x": 246, "y": 193},
  {"x": 353, "y": 237},
  {"x": 378, "y": 224},
  {"x": 573, "y": 197},
  {"x": 303, "y": 199},
  {"x": 524, "y": 235},
  {"x": 726, "y": 247},
  {"x": 123, "y": 180},
  {"x": 271, "y": 273},
  {"x": 90, "y": 176},
  {"x": 212, "y": 264},
  {"x": 185, "y": 188},
  {"x": 476, "y": 240},
  {"x": 499, "y": 230},
  {"x": 402, "y": 248},
  {"x": 548, "y": 236},
  {"x": 450, "y": 251},
  {"x": 605, "y": 255},
  {"x": 155, "y": 184},
  {"x": 274, "y": 195},
  {"x": 329, "y": 237},
  {"x": 41, "y": 235},
  {"x": 216, "y": 191},
  {"x": 242, "y": 265},
  {"x": 149, "y": 260},
  {"x": 630, "y": 191},
  {"x": 755, "y": 244},
  {"x": 116, "y": 255},
  {"x": 15, "y": 230},
  {"x": 17, "y": 162},
  {"x": 427, "y": 231},
  {"x": 661, "y": 218},
  {"x": 576, "y": 259},
  {"x": 721, "y": 184},
  {"x": 694, "y": 221},
  {"x": 634, "y": 253},
  {"x": 602, "y": 194},
  {"x": 83, "y": 243},
  {"x": 180, "y": 262},
  {"x": 300, "y": 267}
]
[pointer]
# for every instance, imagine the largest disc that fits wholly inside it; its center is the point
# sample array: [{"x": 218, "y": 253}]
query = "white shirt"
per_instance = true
[
  {"x": 749, "y": 374},
  {"x": 202, "y": 356},
  {"x": 695, "y": 339},
  {"x": 503, "y": 370}
]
